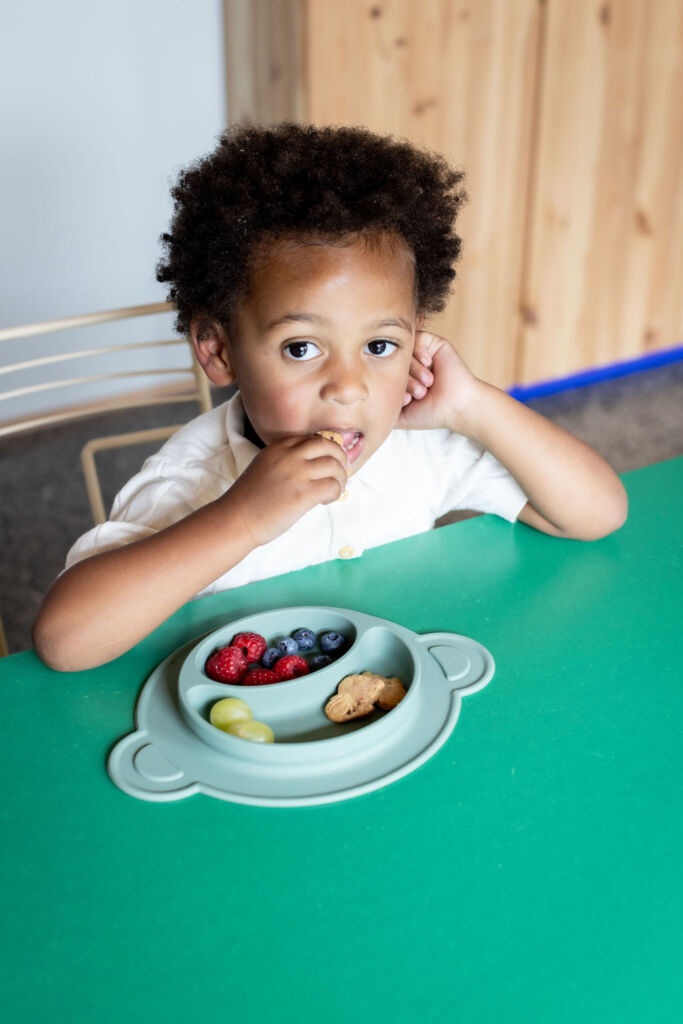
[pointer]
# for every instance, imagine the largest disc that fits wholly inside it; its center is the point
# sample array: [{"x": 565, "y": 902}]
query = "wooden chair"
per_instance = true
[{"x": 191, "y": 385}]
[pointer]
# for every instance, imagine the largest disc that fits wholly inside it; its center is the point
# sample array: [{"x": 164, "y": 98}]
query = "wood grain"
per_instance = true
[
  {"x": 604, "y": 274},
  {"x": 264, "y": 60},
  {"x": 565, "y": 117},
  {"x": 459, "y": 78}
]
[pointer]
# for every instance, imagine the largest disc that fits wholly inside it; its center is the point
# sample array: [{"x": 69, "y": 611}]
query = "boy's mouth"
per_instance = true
[{"x": 353, "y": 441}]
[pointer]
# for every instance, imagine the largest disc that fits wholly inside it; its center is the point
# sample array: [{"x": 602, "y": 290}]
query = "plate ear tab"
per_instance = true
[
  {"x": 465, "y": 664},
  {"x": 140, "y": 769},
  {"x": 155, "y": 766},
  {"x": 453, "y": 662}
]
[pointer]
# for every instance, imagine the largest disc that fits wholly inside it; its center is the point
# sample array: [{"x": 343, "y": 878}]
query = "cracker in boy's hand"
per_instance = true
[{"x": 332, "y": 435}]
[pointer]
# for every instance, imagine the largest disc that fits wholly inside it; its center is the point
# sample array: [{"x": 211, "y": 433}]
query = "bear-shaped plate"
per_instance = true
[{"x": 176, "y": 752}]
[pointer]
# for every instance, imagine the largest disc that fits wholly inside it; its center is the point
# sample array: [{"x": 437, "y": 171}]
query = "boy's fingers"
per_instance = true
[
  {"x": 329, "y": 479},
  {"x": 415, "y": 389},
  {"x": 421, "y": 373},
  {"x": 313, "y": 446},
  {"x": 324, "y": 466},
  {"x": 332, "y": 492},
  {"x": 330, "y": 449},
  {"x": 426, "y": 346},
  {"x": 421, "y": 352}
]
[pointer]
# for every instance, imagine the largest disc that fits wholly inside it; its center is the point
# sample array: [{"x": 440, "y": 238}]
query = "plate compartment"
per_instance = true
[{"x": 175, "y": 752}]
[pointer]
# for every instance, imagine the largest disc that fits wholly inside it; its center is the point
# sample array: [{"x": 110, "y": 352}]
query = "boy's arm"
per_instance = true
[
  {"x": 571, "y": 490},
  {"x": 103, "y": 606}
]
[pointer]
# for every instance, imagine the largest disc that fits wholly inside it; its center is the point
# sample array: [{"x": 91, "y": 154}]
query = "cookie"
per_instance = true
[
  {"x": 342, "y": 707},
  {"x": 333, "y": 436},
  {"x": 392, "y": 693},
  {"x": 364, "y": 686},
  {"x": 358, "y": 694}
]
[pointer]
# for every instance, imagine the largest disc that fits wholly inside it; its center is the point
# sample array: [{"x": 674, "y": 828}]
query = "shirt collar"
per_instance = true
[{"x": 243, "y": 450}]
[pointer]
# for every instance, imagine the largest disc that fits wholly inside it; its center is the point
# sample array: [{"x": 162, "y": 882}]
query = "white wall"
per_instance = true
[{"x": 102, "y": 104}]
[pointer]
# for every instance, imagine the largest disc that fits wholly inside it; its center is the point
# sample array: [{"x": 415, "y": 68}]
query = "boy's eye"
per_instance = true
[
  {"x": 302, "y": 350},
  {"x": 381, "y": 347}
]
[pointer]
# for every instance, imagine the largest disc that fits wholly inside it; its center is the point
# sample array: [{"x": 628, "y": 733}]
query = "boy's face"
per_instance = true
[{"x": 324, "y": 341}]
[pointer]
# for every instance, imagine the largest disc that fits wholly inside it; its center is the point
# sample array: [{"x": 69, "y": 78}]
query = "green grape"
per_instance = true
[
  {"x": 229, "y": 711},
  {"x": 250, "y": 730}
]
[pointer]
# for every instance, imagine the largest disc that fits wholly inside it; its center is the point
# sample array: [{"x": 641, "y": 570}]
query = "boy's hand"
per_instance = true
[
  {"x": 286, "y": 480},
  {"x": 440, "y": 386},
  {"x": 571, "y": 490}
]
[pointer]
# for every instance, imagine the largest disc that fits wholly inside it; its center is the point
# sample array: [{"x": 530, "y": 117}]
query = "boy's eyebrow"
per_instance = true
[
  {"x": 287, "y": 318},
  {"x": 393, "y": 322}
]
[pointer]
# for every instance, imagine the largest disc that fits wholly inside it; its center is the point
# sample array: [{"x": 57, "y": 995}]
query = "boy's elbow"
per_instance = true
[
  {"x": 46, "y": 643},
  {"x": 54, "y": 645},
  {"x": 612, "y": 516},
  {"x": 617, "y": 513}
]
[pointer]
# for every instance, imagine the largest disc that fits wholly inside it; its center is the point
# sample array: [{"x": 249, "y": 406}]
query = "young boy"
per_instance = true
[{"x": 303, "y": 263}]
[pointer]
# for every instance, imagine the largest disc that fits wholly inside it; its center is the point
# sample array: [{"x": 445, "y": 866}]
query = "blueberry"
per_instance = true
[
  {"x": 319, "y": 661},
  {"x": 305, "y": 639},
  {"x": 287, "y": 645},
  {"x": 269, "y": 657},
  {"x": 332, "y": 643}
]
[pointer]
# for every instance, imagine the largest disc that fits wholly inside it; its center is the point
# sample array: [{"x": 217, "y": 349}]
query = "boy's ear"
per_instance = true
[
  {"x": 420, "y": 321},
  {"x": 210, "y": 343}
]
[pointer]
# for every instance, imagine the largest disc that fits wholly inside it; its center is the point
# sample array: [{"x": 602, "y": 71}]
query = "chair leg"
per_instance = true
[
  {"x": 101, "y": 444},
  {"x": 92, "y": 483},
  {"x": 4, "y": 651}
]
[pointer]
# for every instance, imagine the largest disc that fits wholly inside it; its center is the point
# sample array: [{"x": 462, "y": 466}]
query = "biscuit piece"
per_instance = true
[
  {"x": 392, "y": 694},
  {"x": 365, "y": 686},
  {"x": 333, "y": 436},
  {"x": 342, "y": 707},
  {"x": 358, "y": 694}
]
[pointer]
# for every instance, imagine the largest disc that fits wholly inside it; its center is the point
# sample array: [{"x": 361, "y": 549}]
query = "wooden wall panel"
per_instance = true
[
  {"x": 263, "y": 60},
  {"x": 564, "y": 115},
  {"x": 459, "y": 77},
  {"x": 604, "y": 275}
]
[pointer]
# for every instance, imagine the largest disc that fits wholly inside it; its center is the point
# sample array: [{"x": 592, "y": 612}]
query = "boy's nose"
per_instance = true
[{"x": 345, "y": 384}]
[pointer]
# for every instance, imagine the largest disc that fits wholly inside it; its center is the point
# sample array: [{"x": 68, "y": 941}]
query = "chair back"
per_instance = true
[{"x": 187, "y": 383}]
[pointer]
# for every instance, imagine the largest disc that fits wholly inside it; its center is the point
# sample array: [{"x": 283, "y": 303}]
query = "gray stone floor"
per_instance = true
[{"x": 633, "y": 421}]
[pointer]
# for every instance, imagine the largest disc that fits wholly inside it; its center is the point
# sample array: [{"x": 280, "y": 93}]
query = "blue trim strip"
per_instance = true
[{"x": 524, "y": 392}]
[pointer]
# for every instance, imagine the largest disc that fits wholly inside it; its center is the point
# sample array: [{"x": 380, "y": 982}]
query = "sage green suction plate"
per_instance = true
[{"x": 175, "y": 751}]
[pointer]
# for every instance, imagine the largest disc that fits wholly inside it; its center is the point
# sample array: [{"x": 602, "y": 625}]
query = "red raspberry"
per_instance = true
[
  {"x": 253, "y": 645},
  {"x": 291, "y": 666},
  {"x": 227, "y": 665},
  {"x": 259, "y": 677}
]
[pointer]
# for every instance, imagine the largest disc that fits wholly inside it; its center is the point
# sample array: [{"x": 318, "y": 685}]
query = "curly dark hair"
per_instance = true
[{"x": 298, "y": 180}]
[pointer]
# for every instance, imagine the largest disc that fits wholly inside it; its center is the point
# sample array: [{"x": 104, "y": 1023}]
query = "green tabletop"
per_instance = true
[{"x": 529, "y": 871}]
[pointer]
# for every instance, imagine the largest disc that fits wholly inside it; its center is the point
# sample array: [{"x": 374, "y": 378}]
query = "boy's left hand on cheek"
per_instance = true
[{"x": 439, "y": 386}]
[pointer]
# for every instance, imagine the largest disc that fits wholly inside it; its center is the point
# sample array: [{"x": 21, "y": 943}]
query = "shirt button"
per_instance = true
[
  {"x": 346, "y": 552},
  {"x": 344, "y": 496}
]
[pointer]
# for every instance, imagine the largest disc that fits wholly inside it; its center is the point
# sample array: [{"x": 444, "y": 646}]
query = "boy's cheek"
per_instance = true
[{"x": 275, "y": 413}]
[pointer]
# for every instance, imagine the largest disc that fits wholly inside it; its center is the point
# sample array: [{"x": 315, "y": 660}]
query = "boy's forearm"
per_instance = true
[
  {"x": 103, "y": 606},
  {"x": 567, "y": 483}
]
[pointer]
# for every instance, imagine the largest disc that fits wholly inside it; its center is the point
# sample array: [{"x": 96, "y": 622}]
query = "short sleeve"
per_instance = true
[
  {"x": 465, "y": 476},
  {"x": 154, "y": 499},
  {"x": 196, "y": 466}
]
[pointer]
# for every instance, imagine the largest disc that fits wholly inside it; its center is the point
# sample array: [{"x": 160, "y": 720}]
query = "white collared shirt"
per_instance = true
[{"x": 412, "y": 479}]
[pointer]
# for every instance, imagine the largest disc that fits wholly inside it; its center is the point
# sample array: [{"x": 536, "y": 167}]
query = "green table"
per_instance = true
[{"x": 530, "y": 871}]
